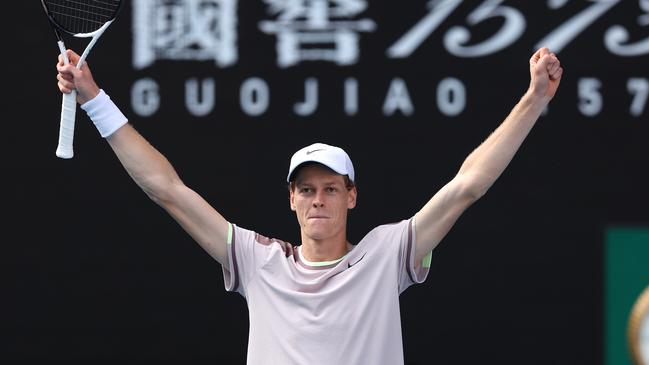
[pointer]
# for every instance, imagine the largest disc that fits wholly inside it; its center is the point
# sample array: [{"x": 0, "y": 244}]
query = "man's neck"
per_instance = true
[{"x": 325, "y": 250}]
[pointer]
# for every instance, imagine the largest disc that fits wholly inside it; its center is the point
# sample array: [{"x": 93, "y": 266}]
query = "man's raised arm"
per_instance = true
[
  {"x": 146, "y": 165},
  {"x": 487, "y": 162}
]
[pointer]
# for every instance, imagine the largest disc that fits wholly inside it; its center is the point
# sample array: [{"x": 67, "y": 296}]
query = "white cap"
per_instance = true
[{"x": 333, "y": 157}]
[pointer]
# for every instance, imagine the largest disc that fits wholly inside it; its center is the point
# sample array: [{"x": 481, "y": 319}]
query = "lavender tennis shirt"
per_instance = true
[{"x": 343, "y": 313}]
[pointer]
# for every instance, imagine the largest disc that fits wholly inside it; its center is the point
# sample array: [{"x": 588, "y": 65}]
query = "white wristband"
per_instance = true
[{"x": 104, "y": 114}]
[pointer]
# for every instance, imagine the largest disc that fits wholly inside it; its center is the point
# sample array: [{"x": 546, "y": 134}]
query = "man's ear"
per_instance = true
[
  {"x": 351, "y": 198},
  {"x": 291, "y": 199}
]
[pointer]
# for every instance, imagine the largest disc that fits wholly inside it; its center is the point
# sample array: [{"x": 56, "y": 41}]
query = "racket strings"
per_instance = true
[{"x": 79, "y": 16}]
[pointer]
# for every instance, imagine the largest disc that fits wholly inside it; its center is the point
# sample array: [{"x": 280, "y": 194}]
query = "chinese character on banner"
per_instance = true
[
  {"x": 184, "y": 30},
  {"x": 316, "y": 30}
]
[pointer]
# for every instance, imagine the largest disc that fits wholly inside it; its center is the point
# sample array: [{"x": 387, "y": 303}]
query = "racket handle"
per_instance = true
[
  {"x": 66, "y": 129},
  {"x": 68, "y": 113}
]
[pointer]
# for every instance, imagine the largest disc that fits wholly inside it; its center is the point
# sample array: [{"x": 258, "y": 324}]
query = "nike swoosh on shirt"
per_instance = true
[{"x": 350, "y": 264}]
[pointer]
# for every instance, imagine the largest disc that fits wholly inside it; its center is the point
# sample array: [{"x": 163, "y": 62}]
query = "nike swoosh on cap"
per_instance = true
[{"x": 310, "y": 152}]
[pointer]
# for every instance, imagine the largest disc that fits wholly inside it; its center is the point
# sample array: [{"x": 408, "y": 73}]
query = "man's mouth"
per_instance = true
[{"x": 318, "y": 217}]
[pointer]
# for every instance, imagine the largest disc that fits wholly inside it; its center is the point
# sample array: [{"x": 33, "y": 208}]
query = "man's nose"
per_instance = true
[{"x": 318, "y": 200}]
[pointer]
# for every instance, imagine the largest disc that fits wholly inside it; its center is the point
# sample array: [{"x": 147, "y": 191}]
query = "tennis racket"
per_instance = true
[{"x": 81, "y": 19}]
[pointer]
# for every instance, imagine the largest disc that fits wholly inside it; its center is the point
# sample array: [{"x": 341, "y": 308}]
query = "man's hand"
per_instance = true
[
  {"x": 71, "y": 78},
  {"x": 545, "y": 73}
]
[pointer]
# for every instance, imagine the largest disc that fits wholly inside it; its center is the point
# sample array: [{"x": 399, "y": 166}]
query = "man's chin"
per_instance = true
[{"x": 319, "y": 233}]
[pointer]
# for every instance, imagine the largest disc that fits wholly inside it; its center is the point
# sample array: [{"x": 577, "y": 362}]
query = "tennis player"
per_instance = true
[{"x": 324, "y": 301}]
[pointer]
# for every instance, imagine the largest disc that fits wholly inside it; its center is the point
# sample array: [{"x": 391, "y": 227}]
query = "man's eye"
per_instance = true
[
  {"x": 331, "y": 189},
  {"x": 305, "y": 190}
]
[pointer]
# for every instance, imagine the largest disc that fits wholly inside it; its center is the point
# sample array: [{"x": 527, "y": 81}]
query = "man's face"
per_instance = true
[{"x": 320, "y": 200}]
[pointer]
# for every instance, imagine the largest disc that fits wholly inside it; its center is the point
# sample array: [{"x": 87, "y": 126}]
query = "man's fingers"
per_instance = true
[
  {"x": 547, "y": 63},
  {"x": 544, "y": 51},
  {"x": 543, "y": 64},
  {"x": 65, "y": 69},
  {"x": 61, "y": 61},
  {"x": 556, "y": 75},
  {"x": 66, "y": 72},
  {"x": 535, "y": 58},
  {"x": 72, "y": 56},
  {"x": 553, "y": 65},
  {"x": 66, "y": 80},
  {"x": 66, "y": 86},
  {"x": 67, "y": 77},
  {"x": 538, "y": 55}
]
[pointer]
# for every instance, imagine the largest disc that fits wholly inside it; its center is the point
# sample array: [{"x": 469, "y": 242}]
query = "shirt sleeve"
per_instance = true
[
  {"x": 245, "y": 256},
  {"x": 411, "y": 272}
]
